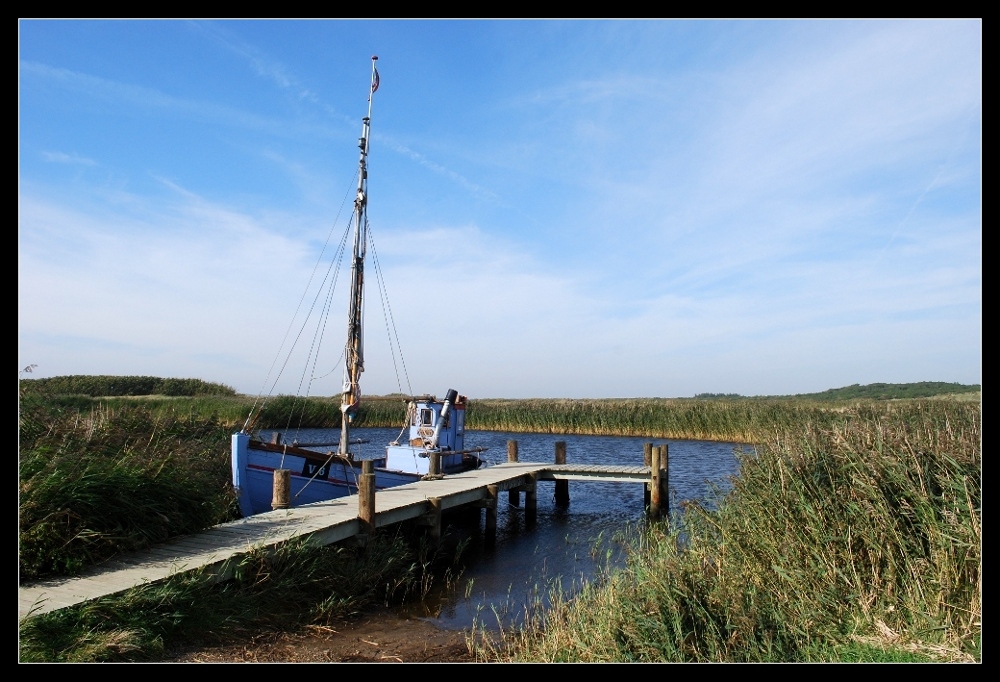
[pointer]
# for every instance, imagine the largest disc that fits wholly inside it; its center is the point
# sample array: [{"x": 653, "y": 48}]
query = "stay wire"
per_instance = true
[
  {"x": 261, "y": 398},
  {"x": 389, "y": 320},
  {"x": 324, "y": 317}
]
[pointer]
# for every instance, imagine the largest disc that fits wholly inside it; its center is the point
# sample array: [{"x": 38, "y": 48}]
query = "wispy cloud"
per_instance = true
[
  {"x": 142, "y": 98},
  {"x": 477, "y": 190},
  {"x": 261, "y": 63},
  {"x": 71, "y": 159}
]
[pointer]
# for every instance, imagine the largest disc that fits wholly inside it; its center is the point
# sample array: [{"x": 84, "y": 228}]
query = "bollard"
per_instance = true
[
  {"x": 434, "y": 467},
  {"x": 282, "y": 491},
  {"x": 562, "y": 487}
]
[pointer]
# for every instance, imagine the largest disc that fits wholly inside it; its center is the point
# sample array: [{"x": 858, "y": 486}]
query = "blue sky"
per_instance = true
[{"x": 559, "y": 208}]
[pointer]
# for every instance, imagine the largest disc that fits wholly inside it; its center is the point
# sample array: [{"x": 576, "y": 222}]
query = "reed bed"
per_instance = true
[
  {"x": 746, "y": 421},
  {"x": 94, "y": 483},
  {"x": 231, "y": 412},
  {"x": 728, "y": 420},
  {"x": 857, "y": 541}
]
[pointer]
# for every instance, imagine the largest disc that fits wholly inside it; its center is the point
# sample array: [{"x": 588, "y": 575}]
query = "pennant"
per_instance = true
[{"x": 375, "y": 81}]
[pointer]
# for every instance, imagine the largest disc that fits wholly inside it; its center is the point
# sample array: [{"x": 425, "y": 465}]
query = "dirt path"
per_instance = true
[{"x": 373, "y": 638}]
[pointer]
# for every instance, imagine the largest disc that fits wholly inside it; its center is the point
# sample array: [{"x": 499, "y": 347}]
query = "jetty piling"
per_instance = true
[
  {"x": 562, "y": 487},
  {"x": 366, "y": 496},
  {"x": 492, "y": 491},
  {"x": 658, "y": 481},
  {"x": 513, "y": 497},
  {"x": 531, "y": 498},
  {"x": 647, "y": 460},
  {"x": 433, "y": 521},
  {"x": 665, "y": 478}
]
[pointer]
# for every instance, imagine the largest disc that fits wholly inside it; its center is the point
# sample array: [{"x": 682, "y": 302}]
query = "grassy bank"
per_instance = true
[
  {"x": 860, "y": 541},
  {"x": 295, "y": 586}
]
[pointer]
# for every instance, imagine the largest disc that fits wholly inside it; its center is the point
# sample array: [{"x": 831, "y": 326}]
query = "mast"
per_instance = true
[{"x": 354, "y": 355}]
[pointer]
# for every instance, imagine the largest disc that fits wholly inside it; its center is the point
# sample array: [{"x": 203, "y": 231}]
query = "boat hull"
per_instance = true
[{"x": 312, "y": 478}]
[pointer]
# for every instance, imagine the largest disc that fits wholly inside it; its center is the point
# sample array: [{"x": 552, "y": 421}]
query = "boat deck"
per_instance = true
[{"x": 214, "y": 550}]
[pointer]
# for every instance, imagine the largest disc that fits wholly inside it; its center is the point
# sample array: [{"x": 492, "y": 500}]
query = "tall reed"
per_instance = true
[
  {"x": 857, "y": 541},
  {"x": 98, "y": 482},
  {"x": 730, "y": 420}
]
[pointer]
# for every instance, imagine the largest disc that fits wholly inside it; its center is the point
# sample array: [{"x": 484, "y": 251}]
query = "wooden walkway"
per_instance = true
[{"x": 217, "y": 549}]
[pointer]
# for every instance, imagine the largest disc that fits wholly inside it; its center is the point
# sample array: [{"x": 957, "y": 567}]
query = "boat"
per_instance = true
[{"x": 435, "y": 429}]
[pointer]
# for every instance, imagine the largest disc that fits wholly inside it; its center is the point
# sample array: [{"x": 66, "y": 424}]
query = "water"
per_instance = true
[{"x": 570, "y": 545}]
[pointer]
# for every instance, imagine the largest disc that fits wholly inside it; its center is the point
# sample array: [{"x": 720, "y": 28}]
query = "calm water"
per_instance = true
[{"x": 566, "y": 544}]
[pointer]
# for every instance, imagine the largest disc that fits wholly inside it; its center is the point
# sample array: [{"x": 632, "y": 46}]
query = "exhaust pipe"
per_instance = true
[{"x": 449, "y": 399}]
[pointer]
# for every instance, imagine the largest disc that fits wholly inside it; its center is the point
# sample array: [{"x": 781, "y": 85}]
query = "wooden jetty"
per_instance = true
[{"x": 216, "y": 551}]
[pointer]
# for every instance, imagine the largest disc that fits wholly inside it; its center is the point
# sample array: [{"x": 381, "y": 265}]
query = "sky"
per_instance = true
[{"x": 558, "y": 209}]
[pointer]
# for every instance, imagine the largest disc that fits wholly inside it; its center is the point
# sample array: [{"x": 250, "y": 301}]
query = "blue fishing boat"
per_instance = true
[{"x": 435, "y": 445}]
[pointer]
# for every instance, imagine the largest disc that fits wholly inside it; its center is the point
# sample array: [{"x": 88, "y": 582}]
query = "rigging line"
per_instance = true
[
  {"x": 318, "y": 470},
  {"x": 324, "y": 316},
  {"x": 336, "y": 260},
  {"x": 321, "y": 324},
  {"x": 319, "y": 259},
  {"x": 387, "y": 307},
  {"x": 383, "y": 296},
  {"x": 332, "y": 369},
  {"x": 317, "y": 344}
]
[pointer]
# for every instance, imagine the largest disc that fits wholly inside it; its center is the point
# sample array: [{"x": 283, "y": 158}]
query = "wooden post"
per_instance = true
[
  {"x": 435, "y": 520},
  {"x": 491, "y": 513},
  {"x": 531, "y": 498},
  {"x": 647, "y": 460},
  {"x": 366, "y": 496},
  {"x": 665, "y": 479},
  {"x": 655, "y": 498},
  {"x": 562, "y": 487},
  {"x": 282, "y": 491},
  {"x": 434, "y": 468},
  {"x": 513, "y": 496}
]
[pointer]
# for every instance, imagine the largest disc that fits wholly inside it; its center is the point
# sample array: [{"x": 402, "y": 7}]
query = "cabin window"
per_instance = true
[{"x": 426, "y": 417}]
